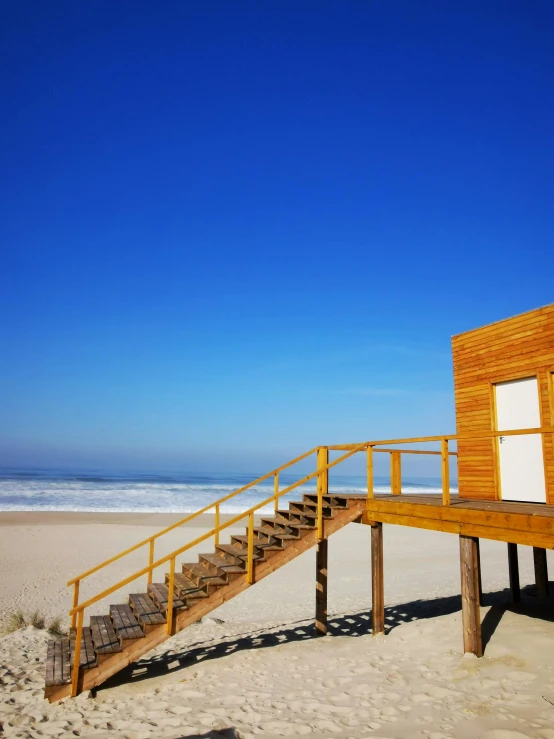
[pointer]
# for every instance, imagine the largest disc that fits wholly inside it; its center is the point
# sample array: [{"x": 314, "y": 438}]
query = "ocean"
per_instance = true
[{"x": 86, "y": 490}]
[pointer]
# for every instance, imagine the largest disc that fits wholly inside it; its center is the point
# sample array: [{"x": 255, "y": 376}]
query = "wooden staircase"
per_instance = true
[{"x": 129, "y": 630}]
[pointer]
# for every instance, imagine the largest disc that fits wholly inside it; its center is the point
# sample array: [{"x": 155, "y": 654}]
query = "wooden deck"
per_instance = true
[{"x": 531, "y": 524}]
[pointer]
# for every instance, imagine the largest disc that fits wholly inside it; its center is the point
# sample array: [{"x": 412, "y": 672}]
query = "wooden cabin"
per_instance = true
[{"x": 503, "y": 380}]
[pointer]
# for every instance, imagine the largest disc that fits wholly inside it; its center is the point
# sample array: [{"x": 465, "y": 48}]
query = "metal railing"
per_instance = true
[{"x": 321, "y": 473}]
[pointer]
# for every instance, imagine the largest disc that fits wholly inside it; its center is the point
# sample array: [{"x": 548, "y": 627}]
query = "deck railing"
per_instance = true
[{"x": 321, "y": 474}]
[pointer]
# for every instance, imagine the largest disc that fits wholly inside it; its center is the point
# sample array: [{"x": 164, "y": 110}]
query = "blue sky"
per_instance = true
[{"x": 234, "y": 230}]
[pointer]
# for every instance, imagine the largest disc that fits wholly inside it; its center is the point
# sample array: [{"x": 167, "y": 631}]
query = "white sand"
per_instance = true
[{"x": 260, "y": 672}]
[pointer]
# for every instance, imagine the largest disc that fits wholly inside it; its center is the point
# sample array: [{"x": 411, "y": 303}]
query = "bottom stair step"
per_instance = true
[
  {"x": 87, "y": 657},
  {"x": 104, "y": 638},
  {"x": 146, "y": 610},
  {"x": 125, "y": 623},
  {"x": 159, "y": 593},
  {"x": 58, "y": 663}
]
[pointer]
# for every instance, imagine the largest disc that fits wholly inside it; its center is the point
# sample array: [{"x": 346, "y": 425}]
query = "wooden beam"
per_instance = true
[
  {"x": 513, "y": 569},
  {"x": 469, "y": 575},
  {"x": 321, "y": 588},
  {"x": 377, "y": 580},
  {"x": 541, "y": 572}
]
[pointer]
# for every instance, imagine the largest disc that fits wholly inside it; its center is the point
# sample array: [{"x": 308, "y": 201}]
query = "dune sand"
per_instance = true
[{"x": 253, "y": 667}]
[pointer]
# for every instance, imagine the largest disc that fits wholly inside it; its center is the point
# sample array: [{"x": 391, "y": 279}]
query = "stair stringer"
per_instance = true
[{"x": 132, "y": 652}]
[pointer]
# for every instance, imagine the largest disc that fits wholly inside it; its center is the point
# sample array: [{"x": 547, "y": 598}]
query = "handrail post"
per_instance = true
[
  {"x": 445, "y": 473},
  {"x": 250, "y": 558},
  {"x": 150, "y": 560},
  {"x": 276, "y": 490},
  {"x": 77, "y": 655},
  {"x": 322, "y": 486},
  {"x": 370, "y": 472},
  {"x": 216, "y": 527},
  {"x": 170, "y": 591},
  {"x": 395, "y": 472},
  {"x": 75, "y": 602}
]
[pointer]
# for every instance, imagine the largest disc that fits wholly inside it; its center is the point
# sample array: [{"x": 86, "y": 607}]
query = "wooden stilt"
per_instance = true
[
  {"x": 541, "y": 572},
  {"x": 377, "y": 579},
  {"x": 321, "y": 588},
  {"x": 513, "y": 569},
  {"x": 471, "y": 615}
]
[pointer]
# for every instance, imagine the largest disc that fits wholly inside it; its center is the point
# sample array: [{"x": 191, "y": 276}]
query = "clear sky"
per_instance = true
[{"x": 234, "y": 230}]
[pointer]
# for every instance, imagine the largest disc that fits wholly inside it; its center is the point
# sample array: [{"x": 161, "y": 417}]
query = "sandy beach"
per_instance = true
[{"x": 253, "y": 667}]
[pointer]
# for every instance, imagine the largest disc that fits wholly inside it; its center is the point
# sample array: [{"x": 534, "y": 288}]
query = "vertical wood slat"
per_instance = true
[
  {"x": 377, "y": 580},
  {"x": 276, "y": 490},
  {"x": 395, "y": 473},
  {"x": 250, "y": 558},
  {"x": 513, "y": 569},
  {"x": 369, "y": 464},
  {"x": 445, "y": 473},
  {"x": 321, "y": 587},
  {"x": 541, "y": 572},
  {"x": 471, "y": 614},
  {"x": 322, "y": 486},
  {"x": 170, "y": 596}
]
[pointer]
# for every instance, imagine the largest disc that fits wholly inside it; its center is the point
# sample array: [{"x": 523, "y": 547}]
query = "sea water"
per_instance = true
[{"x": 88, "y": 490}]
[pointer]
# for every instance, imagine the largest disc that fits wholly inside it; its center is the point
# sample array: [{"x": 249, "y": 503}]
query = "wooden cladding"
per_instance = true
[{"x": 518, "y": 347}]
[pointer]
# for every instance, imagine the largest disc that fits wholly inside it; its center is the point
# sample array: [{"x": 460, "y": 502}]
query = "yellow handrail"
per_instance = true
[
  {"x": 188, "y": 518},
  {"x": 211, "y": 533}
]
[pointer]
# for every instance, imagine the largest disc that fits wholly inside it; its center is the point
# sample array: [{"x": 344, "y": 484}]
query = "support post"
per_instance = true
[
  {"x": 369, "y": 465},
  {"x": 322, "y": 486},
  {"x": 75, "y": 603},
  {"x": 471, "y": 614},
  {"x": 321, "y": 588},
  {"x": 377, "y": 580},
  {"x": 445, "y": 473},
  {"x": 541, "y": 572},
  {"x": 216, "y": 525},
  {"x": 479, "y": 578},
  {"x": 513, "y": 569},
  {"x": 170, "y": 594},
  {"x": 250, "y": 550},
  {"x": 77, "y": 655},
  {"x": 150, "y": 559},
  {"x": 395, "y": 473}
]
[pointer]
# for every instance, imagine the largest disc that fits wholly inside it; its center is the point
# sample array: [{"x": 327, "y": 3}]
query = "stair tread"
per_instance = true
[
  {"x": 185, "y": 585},
  {"x": 104, "y": 638},
  {"x": 87, "y": 656},
  {"x": 287, "y": 522},
  {"x": 159, "y": 592},
  {"x": 202, "y": 573},
  {"x": 58, "y": 662},
  {"x": 237, "y": 552},
  {"x": 192, "y": 592},
  {"x": 146, "y": 610},
  {"x": 222, "y": 564},
  {"x": 125, "y": 623},
  {"x": 277, "y": 534},
  {"x": 259, "y": 544}
]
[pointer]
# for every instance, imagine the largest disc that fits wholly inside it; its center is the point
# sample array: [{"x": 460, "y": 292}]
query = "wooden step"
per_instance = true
[
  {"x": 233, "y": 553},
  {"x": 329, "y": 500},
  {"x": 125, "y": 623},
  {"x": 203, "y": 577},
  {"x": 104, "y": 638},
  {"x": 242, "y": 541},
  {"x": 309, "y": 510},
  {"x": 58, "y": 663},
  {"x": 159, "y": 593},
  {"x": 269, "y": 532},
  {"x": 187, "y": 587},
  {"x": 146, "y": 611},
  {"x": 87, "y": 657},
  {"x": 221, "y": 565},
  {"x": 287, "y": 523}
]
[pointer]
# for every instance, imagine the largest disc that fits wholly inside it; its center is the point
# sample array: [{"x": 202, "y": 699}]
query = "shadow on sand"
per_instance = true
[{"x": 356, "y": 624}]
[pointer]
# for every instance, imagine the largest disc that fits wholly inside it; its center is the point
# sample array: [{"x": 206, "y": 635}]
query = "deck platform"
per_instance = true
[{"x": 531, "y": 524}]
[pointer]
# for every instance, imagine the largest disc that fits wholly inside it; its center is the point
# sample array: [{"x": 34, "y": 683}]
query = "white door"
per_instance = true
[{"x": 521, "y": 459}]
